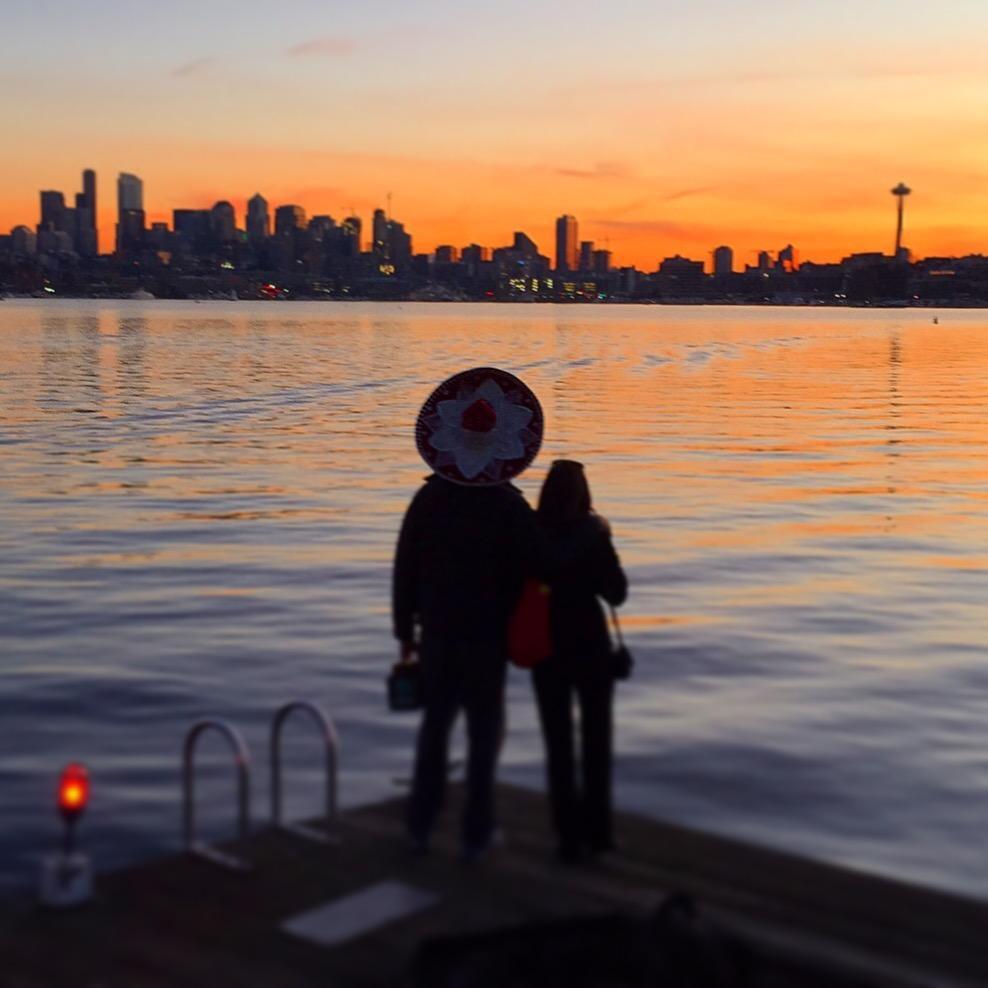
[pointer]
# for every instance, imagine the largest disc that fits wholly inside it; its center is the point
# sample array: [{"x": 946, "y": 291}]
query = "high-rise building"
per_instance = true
[
  {"x": 86, "y": 233},
  {"x": 474, "y": 254},
  {"x": 679, "y": 276},
  {"x": 399, "y": 244},
  {"x": 52, "y": 211},
  {"x": 23, "y": 241},
  {"x": 258, "y": 219},
  {"x": 130, "y": 212},
  {"x": 446, "y": 254},
  {"x": 764, "y": 261},
  {"x": 191, "y": 228},
  {"x": 379, "y": 234},
  {"x": 788, "y": 258},
  {"x": 723, "y": 260},
  {"x": 223, "y": 222},
  {"x": 351, "y": 239},
  {"x": 586, "y": 255},
  {"x": 391, "y": 243},
  {"x": 288, "y": 218},
  {"x": 566, "y": 256},
  {"x": 601, "y": 261},
  {"x": 524, "y": 244},
  {"x": 130, "y": 192},
  {"x": 159, "y": 236},
  {"x": 321, "y": 226},
  {"x": 89, "y": 191}
]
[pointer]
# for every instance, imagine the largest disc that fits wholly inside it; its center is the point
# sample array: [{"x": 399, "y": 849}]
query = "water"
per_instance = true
[{"x": 199, "y": 504}]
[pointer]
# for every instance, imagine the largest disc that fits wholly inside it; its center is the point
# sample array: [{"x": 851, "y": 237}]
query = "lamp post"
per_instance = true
[{"x": 67, "y": 875}]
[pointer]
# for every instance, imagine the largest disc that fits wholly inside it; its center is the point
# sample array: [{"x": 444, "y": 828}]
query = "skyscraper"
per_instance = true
[
  {"x": 130, "y": 192},
  {"x": 191, "y": 228},
  {"x": 788, "y": 258},
  {"x": 87, "y": 233},
  {"x": 351, "y": 242},
  {"x": 379, "y": 234},
  {"x": 130, "y": 212},
  {"x": 321, "y": 227},
  {"x": 566, "y": 243},
  {"x": 723, "y": 261},
  {"x": 399, "y": 244},
  {"x": 524, "y": 244},
  {"x": 223, "y": 222},
  {"x": 52, "y": 211},
  {"x": 89, "y": 191},
  {"x": 258, "y": 219},
  {"x": 289, "y": 218},
  {"x": 586, "y": 255},
  {"x": 475, "y": 254}
]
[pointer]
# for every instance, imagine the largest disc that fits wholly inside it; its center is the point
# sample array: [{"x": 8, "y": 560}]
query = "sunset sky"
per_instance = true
[{"x": 663, "y": 127}]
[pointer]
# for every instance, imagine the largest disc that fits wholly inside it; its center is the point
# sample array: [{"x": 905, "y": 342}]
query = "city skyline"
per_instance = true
[
  {"x": 207, "y": 251},
  {"x": 131, "y": 221},
  {"x": 663, "y": 128}
]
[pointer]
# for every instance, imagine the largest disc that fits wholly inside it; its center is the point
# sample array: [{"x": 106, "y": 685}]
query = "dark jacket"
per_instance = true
[
  {"x": 462, "y": 556},
  {"x": 582, "y": 566}
]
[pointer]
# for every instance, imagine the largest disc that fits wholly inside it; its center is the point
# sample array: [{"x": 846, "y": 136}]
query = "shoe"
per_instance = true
[{"x": 472, "y": 853}]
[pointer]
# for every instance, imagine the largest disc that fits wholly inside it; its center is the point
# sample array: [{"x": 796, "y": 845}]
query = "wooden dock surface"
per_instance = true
[{"x": 178, "y": 921}]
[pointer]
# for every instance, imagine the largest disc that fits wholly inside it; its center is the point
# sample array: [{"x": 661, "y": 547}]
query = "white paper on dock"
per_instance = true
[{"x": 358, "y": 913}]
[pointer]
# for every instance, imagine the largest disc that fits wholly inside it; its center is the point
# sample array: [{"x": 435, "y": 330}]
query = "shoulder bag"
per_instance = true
[{"x": 622, "y": 661}]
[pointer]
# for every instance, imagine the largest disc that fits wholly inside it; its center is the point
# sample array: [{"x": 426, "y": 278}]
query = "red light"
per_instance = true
[{"x": 73, "y": 790}]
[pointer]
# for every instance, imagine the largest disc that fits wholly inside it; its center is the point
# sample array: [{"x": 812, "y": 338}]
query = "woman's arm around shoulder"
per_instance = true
[{"x": 612, "y": 583}]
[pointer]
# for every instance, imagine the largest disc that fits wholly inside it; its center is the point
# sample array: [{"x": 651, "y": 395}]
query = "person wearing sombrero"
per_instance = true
[{"x": 467, "y": 542}]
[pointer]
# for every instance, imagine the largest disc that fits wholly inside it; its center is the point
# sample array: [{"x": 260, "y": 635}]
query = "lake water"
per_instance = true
[{"x": 199, "y": 504}]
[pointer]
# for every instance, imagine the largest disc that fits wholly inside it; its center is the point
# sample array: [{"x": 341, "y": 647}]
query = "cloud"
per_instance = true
[
  {"x": 662, "y": 228},
  {"x": 686, "y": 193},
  {"x": 197, "y": 66},
  {"x": 322, "y": 46},
  {"x": 602, "y": 169}
]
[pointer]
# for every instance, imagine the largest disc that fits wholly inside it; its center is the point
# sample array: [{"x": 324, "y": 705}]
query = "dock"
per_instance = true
[{"x": 299, "y": 916}]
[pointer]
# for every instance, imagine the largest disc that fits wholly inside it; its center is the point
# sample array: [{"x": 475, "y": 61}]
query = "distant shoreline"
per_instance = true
[{"x": 710, "y": 303}]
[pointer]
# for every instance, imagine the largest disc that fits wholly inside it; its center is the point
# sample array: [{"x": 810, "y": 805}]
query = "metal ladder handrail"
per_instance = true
[
  {"x": 332, "y": 745},
  {"x": 242, "y": 762}
]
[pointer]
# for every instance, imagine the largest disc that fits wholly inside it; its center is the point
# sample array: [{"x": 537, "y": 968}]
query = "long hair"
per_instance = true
[{"x": 565, "y": 493}]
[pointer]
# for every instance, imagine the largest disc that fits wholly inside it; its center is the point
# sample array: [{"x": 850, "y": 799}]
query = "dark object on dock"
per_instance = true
[{"x": 674, "y": 947}]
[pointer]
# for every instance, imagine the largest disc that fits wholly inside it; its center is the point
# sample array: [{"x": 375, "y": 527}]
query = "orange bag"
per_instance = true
[{"x": 529, "y": 636}]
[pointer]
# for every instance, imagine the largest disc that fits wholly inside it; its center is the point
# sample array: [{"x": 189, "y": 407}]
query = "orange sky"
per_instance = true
[{"x": 661, "y": 130}]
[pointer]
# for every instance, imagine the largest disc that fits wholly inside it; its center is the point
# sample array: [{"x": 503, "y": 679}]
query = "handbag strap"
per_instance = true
[{"x": 617, "y": 625}]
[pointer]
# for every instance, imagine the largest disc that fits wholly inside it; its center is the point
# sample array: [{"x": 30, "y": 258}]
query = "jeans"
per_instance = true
[
  {"x": 468, "y": 674},
  {"x": 581, "y": 813}
]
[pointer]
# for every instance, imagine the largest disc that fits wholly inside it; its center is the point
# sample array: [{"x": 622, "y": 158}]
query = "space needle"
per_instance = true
[{"x": 900, "y": 192}]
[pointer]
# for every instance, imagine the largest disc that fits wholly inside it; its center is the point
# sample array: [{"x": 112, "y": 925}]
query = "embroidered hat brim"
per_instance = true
[{"x": 480, "y": 427}]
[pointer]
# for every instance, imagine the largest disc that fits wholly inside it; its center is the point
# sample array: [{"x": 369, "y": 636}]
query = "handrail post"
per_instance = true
[
  {"x": 331, "y": 744},
  {"x": 242, "y": 763}
]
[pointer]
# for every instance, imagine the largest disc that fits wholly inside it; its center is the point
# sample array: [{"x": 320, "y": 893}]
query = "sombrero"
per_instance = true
[{"x": 480, "y": 427}]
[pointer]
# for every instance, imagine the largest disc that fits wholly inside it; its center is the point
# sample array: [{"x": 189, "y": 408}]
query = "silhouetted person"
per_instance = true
[
  {"x": 581, "y": 566},
  {"x": 467, "y": 541}
]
